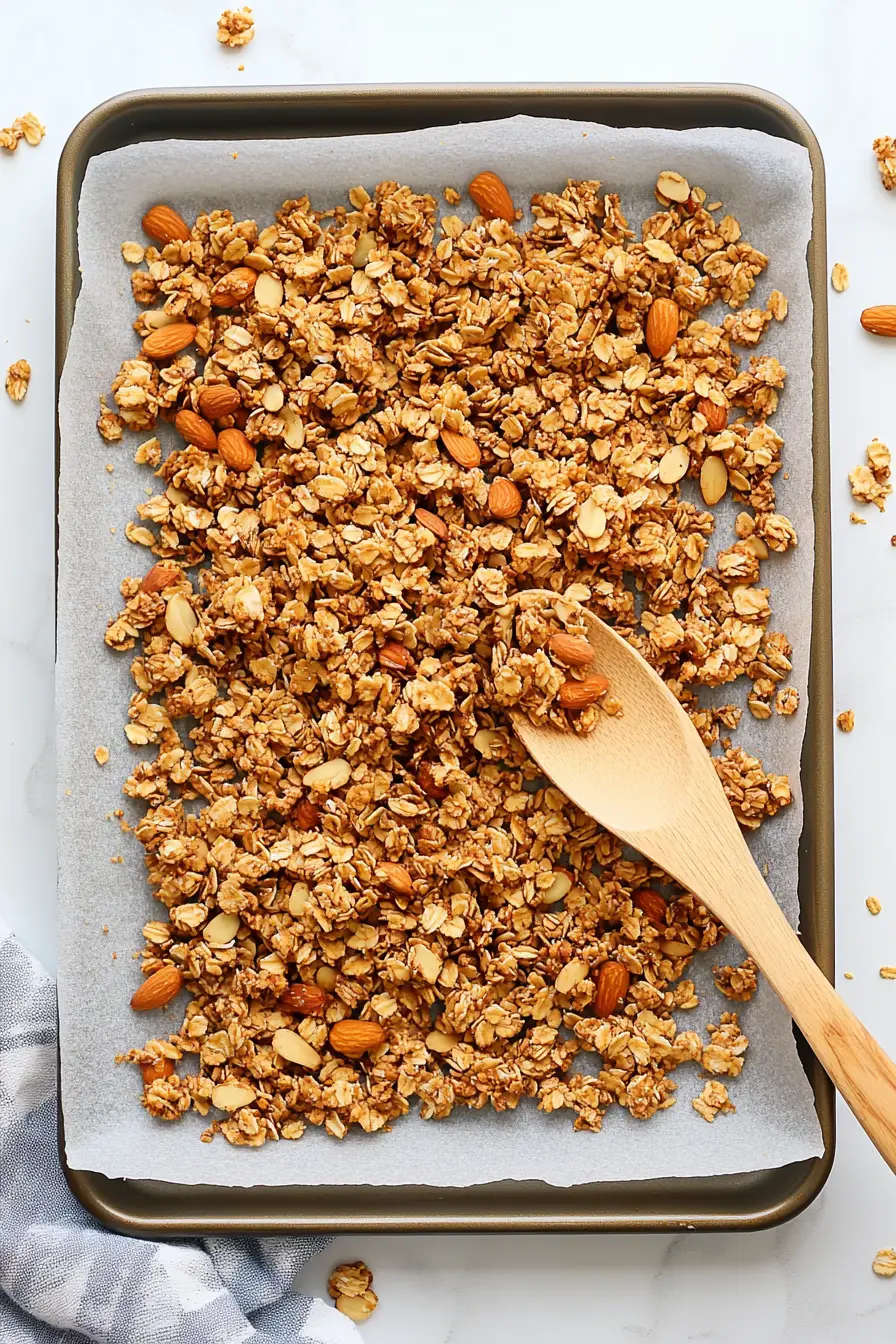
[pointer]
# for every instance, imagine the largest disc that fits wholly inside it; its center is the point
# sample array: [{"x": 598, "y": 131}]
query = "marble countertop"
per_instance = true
[{"x": 810, "y": 1281}]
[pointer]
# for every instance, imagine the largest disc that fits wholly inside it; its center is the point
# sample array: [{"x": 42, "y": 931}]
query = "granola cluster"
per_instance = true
[
  {"x": 351, "y": 1288},
  {"x": 870, "y": 483},
  {"x": 27, "y": 128},
  {"x": 18, "y": 376},
  {"x": 236, "y": 27},
  {"x": 885, "y": 152},
  {"x": 371, "y": 895}
]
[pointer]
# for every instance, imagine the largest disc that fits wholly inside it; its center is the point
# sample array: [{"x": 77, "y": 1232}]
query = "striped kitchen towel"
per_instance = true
[{"x": 64, "y": 1277}]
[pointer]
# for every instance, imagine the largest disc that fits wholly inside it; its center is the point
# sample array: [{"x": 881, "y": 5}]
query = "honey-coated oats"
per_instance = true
[{"x": 332, "y": 767}]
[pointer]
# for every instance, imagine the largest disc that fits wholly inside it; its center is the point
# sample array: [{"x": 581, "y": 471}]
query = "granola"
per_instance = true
[
  {"x": 871, "y": 484},
  {"x": 885, "y": 152},
  {"x": 713, "y": 1101},
  {"x": 737, "y": 982},
  {"x": 236, "y": 27},
  {"x": 839, "y": 277},
  {"x": 371, "y": 837},
  {"x": 27, "y": 128},
  {"x": 351, "y": 1288},
  {"x": 18, "y": 376}
]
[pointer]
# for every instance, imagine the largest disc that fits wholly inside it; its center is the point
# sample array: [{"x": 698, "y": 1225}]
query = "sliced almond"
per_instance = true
[
  {"x": 295, "y": 1048},
  {"x": 674, "y": 947},
  {"x": 674, "y": 464},
  {"x": 221, "y": 930},
  {"x": 591, "y": 520},
  {"x": 363, "y": 248},
  {"x": 757, "y": 546},
  {"x": 295, "y": 429},
  {"x": 559, "y": 888},
  {"x": 231, "y": 1096},
  {"x": 485, "y": 740},
  {"x": 425, "y": 962},
  {"x": 713, "y": 479},
  {"x": 269, "y": 291},
  {"x": 572, "y": 974},
  {"x": 299, "y": 898},
  {"x": 329, "y": 775},
  {"x": 673, "y": 186},
  {"x": 272, "y": 397},
  {"x": 180, "y": 619}
]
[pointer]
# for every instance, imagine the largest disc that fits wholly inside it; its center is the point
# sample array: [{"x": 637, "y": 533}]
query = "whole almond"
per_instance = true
[
  {"x": 167, "y": 341},
  {"x": 290, "y": 1045},
  {"x": 662, "y": 327},
  {"x": 713, "y": 479},
  {"x": 307, "y": 815},
  {"x": 716, "y": 416},
  {"x": 462, "y": 448},
  {"x": 159, "y": 1068},
  {"x": 433, "y": 522},
  {"x": 570, "y": 650},
  {"x": 504, "y": 500},
  {"x": 881, "y": 321},
  {"x": 354, "y": 1038},
  {"x": 308, "y": 999},
  {"x": 651, "y": 905},
  {"x": 219, "y": 399},
  {"x": 165, "y": 225},
  {"x": 234, "y": 287},
  {"x": 159, "y": 578},
  {"x": 157, "y": 989},
  {"x": 396, "y": 877},
  {"x": 195, "y": 430},
  {"x": 612, "y": 981},
  {"x": 236, "y": 450},
  {"x": 491, "y": 197},
  {"x": 576, "y": 695},
  {"x": 395, "y": 657}
]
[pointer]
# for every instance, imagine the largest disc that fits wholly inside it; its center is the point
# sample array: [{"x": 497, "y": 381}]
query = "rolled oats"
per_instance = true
[
  {"x": 18, "y": 376},
  {"x": 885, "y": 152},
  {"x": 873, "y": 904},
  {"x": 357, "y": 636},
  {"x": 840, "y": 277}
]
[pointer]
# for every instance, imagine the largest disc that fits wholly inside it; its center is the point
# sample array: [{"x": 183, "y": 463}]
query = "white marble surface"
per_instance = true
[{"x": 811, "y": 1280}]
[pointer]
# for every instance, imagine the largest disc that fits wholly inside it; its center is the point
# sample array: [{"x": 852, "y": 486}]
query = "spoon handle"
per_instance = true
[{"x": 861, "y": 1071}]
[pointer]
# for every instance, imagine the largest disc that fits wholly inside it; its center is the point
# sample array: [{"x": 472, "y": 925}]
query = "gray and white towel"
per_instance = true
[{"x": 64, "y": 1277}]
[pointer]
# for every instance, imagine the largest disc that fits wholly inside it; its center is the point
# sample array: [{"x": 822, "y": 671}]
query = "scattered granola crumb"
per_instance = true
[
  {"x": 23, "y": 128},
  {"x": 871, "y": 484},
  {"x": 885, "y": 149},
  {"x": 787, "y": 700},
  {"x": 840, "y": 277},
  {"x": 110, "y": 466},
  {"x": 133, "y": 253},
  {"x": 236, "y": 27},
  {"x": 884, "y": 1263},
  {"x": 149, "y": 453},
  {"x": 874, "y": 905},
  {"x": 846, "y": 721},
  {"x": 109, "y": 424},
  {"x": 105, "y": 928},
  {"x": 117, "y": 858},
  {"x": 240, "y": 67},
  {"x": 713, "y": 1101},
  {"x": 351, "y": 1288},
  {"x": 778, "y": 305},
  {"x": 848, "y": 975},
  {"x": 737, "y": 982},
  {"x": 888, "y": 972},
  {"x": 235, "y": 154},
  {"x": 451, "y": 196},
  {"x": 101, "y": 755},
  {"x": 18, "y": 376},
  {"x": 862, "y": 522}
]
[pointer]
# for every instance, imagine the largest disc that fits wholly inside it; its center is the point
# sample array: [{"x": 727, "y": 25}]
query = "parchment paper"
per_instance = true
[{"x": 765, "y": 183}]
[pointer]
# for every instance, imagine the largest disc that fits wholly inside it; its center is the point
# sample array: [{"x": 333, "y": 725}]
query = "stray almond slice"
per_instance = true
[
  {"x": 674, "y": 464},
  {"x": 272, "y": 398},
  {"x": 269, "y": 291},
  {"x": 167, "y": 341},
  {"x": 713, "y": 479},
  {"x": 300, "y": 894},
  {"x": 757, "y": 546},
  {"x": 290, "y": 1045},
  {"x": 559, "y": 888},
  {"x": 572, "y": 974},
  {"x": 591, "y": 520},
  {"x": 221, "y": 929},
  {"x": 491, "y": 197},
  {"x": 180, "y": 619},
  {"x": 157, "y": 989},
  {"x": 363, "y": 248},
  {"x": 673, "y": 186},
  {"x": 330, "y": 775},
  {"x": 165, "y": 225},
  {"x": 231, "y": 1096},
  {"x": 570, "y": 650},
  {"x": 462, "y": 448}
]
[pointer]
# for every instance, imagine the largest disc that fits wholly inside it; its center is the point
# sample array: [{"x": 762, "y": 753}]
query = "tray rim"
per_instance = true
[{"x": 144, "y": 1208}]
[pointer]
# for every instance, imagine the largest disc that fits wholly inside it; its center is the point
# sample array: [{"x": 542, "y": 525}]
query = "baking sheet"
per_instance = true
[{"x": 766, "y": 183}]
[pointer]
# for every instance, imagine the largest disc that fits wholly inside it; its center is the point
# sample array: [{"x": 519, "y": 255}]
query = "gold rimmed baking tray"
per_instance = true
[{"x": 742, "y": 1202}]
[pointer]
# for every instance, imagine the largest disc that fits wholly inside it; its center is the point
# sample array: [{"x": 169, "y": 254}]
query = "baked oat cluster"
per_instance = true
[{"x": 394, "y": 426}]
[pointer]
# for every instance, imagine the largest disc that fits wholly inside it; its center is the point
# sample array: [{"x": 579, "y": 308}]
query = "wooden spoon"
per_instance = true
[{"x": 647, "y": 777}]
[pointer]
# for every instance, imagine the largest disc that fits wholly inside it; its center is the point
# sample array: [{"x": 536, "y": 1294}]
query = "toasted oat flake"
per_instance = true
[
  {"x": 884, "y": 1263},
  {"x": 873, "y": 904},
  {"x": 329, "y": 698},
  {"x": 858, "y": 520},
  {"x": 18, "y": 376},
  {"x": 888, "y": 972},
  {"x": 236, "y": 27},
  {"x": 778, "y": 305},
  {"x": 840, "y": 277},
  {"x": 27, "y": 128},
  {"x": 846, "y": 721},
  {"x": 101, "y": 755},
  {"x": 133, "y": 253}
]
